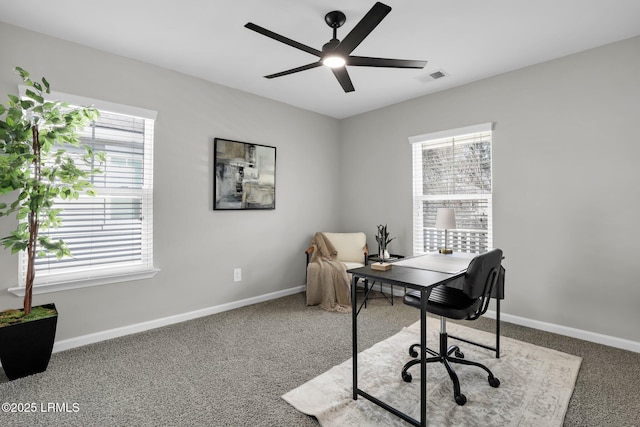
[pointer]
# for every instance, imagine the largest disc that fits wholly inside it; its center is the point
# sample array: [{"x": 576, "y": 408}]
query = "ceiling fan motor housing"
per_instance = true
[{"x": 330, "y": 45}]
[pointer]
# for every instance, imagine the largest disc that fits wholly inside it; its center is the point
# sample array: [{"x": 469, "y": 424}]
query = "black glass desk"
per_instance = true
[{"x": 413, "y": 278}]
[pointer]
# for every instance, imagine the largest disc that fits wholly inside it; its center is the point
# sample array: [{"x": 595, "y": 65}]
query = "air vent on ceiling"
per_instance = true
[
  {"x": 438, "y": 75},
  {"x": 431, "y": 77}
]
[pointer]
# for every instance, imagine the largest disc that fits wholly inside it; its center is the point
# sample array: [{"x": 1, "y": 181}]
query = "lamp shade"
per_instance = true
[{"x": 445, "y": 219}]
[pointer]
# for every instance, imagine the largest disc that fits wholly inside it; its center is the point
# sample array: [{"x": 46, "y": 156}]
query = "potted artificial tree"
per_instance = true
[{"x": 35, "y": 168}]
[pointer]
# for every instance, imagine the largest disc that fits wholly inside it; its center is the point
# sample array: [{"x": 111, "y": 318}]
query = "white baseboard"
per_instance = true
[
  {"x": 551, "y": 327},
  {"x": 144, "y": 326},
  {"x": 152, "y": 324},
  {"x": 572, "y": 332}
]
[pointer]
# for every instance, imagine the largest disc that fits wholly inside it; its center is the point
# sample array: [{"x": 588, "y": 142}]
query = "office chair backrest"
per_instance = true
[{"x": 481, "y": 277}]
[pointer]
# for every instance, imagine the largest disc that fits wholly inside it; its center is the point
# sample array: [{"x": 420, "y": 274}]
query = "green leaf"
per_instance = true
[
  {"x": 22, "y": 72},
  {"x": 18, "y": 246},
  {"x": 26, "y": 104},
  {"x": 31, "y": 94}
]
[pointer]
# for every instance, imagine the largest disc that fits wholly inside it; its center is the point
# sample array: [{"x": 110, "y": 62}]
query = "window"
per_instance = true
[
  {"x": 453, "y": 169},
  {"x": 111, "y": 234}
]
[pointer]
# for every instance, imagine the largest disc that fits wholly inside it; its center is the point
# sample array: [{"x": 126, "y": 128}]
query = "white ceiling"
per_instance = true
[{"x": 467, "y": 39}]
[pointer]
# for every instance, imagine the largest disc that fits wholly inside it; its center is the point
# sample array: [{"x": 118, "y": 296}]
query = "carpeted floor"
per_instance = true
[{"x": 230, "y": 369}]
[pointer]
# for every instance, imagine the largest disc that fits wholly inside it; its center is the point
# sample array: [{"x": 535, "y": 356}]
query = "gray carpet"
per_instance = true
[{"x": 230, "y": 369}]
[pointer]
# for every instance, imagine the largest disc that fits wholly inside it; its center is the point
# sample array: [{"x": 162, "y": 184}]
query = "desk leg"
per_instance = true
[
  {"x": 424, "y": 297},
  {"x": 354, "y": 332},
  {"x": 497, "y": 328}
]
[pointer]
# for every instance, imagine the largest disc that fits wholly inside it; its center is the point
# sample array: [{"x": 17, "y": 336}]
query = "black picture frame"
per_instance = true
[{"x": 244, "y": 175}]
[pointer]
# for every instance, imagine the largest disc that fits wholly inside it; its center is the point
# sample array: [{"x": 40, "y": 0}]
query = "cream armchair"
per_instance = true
[
  {"x": 351, "y": 248},
  {"x": 328, "y": 259}
]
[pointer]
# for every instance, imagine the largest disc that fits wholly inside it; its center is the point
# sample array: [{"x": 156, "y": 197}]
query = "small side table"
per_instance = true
[{"x": 371, "y": 259}]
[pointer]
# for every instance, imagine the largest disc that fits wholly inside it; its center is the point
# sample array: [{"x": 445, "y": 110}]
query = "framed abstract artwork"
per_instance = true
[{"x": 244, "y": 175}]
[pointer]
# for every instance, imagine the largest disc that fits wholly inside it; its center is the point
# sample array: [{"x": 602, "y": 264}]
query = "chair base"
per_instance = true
[{"x": 445, "y": 357}]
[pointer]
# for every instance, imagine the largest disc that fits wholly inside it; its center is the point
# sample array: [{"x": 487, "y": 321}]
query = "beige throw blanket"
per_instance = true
[{"x": 327, "y": 279}]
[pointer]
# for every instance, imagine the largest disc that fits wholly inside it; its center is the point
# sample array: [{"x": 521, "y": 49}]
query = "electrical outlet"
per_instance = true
[{"x": 237, "y": 274}]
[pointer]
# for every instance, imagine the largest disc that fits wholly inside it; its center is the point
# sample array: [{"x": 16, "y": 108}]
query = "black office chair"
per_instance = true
[{"x": 468, "y": 303}]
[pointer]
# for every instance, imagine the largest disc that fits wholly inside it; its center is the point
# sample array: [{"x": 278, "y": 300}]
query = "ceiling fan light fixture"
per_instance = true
[{"x": 334, "y": 61}]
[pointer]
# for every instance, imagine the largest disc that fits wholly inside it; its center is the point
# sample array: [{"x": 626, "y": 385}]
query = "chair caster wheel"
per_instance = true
[
  {"x": 461, "y": 399},
  {"x": 494, "y": 382},
  {"x": 406, "y": 377},
  {"x": 412, "y": 350}
]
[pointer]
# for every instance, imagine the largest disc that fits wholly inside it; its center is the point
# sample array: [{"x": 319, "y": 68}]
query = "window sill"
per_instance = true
[{"x": 79, "y": 283}]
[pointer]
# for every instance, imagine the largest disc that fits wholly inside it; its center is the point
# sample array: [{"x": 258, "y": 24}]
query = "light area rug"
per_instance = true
[{"x": 536, "y": 384}]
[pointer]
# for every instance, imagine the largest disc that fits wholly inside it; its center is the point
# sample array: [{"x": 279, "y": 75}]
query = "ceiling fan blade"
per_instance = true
[
  {"x": 363, "y": 28},
  {"x": 283, "y": 39},
  {"x": 294, "y": 70},
  {"x": 365, "y": 61},
  {"x": 343, "y": 78}
]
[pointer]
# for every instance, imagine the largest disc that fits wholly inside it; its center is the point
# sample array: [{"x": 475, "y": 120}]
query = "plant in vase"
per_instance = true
[
  {"x": 383, "y": 240},
  {"x": 36, "y": 168}
]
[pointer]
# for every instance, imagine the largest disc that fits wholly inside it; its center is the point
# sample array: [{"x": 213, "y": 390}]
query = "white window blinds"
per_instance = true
[
  {"x": 452, "y": 169},
  {"x": 111, "y": 233}
]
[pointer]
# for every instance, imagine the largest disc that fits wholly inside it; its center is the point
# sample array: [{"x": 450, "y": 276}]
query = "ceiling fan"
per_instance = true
[{"x": 336, "y": 54}]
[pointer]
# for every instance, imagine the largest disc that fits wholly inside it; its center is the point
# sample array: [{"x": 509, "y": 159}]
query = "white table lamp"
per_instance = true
[{"x": 445, "y": 220}]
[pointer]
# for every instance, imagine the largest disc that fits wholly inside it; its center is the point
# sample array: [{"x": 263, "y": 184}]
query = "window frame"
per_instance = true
[
  {"x": 80, "y": 279},
  {"x": 437, "y": 138}
]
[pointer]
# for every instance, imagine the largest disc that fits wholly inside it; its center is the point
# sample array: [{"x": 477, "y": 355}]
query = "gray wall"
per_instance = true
[
  {"x": 195, "y": 247},
  {"x": 565, "y": 183},
  {"x": 566, "y": 176}
]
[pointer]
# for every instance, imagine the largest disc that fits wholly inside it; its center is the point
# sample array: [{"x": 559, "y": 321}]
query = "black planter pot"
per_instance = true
[{"x": 25, "y": 348}]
